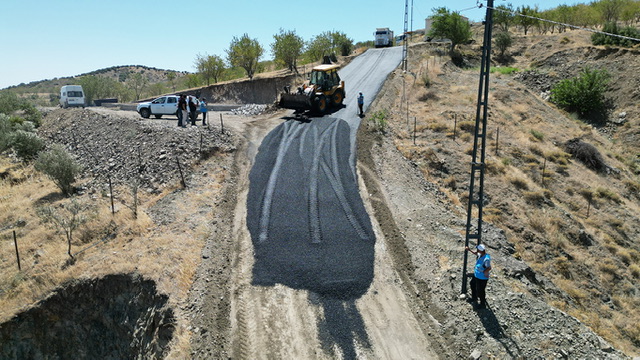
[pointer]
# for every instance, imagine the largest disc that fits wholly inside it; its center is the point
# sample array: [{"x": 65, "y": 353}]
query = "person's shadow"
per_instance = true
[{"x": 496, "y": 331}]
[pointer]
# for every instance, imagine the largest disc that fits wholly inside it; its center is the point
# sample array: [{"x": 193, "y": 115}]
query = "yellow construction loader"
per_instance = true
[{"x": 324, "y": 89}]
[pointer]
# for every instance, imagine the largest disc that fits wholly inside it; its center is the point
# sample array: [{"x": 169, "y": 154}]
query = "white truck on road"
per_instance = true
[{"x": 383, "y": 37}]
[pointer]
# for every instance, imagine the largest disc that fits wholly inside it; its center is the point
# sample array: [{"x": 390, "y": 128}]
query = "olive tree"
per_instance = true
[
  {"x": 67, "y": 218},
  {"x": 210, "y": 67},
  {"x": 60, "y": 166},
  {"x": 503, "y": 41},
  {"x": 450, "y": 25},
  {"x": 319, "y": 46},
  {"x": 245, "y": 52},
  {"x": 287, "y": 48}
]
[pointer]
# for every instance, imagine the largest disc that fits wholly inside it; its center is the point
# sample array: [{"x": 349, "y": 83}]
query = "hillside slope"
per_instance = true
[{"x": 576, "y": 229}]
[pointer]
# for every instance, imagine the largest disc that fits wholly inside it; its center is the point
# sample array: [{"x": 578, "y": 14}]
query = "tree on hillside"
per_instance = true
[
  {"x": 287, "y": 48},
  {"x": 610, "y": 10},
  {"x": 528, "y": 21},
  {"x": 562, "y": 14},
  {"x": 156, "y": 89},
  {"x": 341, "y": 43},
  {"x": 631, "y": 12},
  {"x": 66, "y": 218},
  {"x": 584, "y": 15},
  {"x": 245, "y": 52},
  {"x": 192, "y": 81},
  {"x": 450, "y": 25},
  {"x": 100, "y": 87},
  {"x": 171, "y": 77},
  {"x": 210, "y": 67},
  {"x": 137, "y": 83},
  {"x": 503, "y": 41},
  {"x": 319, "y": 46},
  {"x": 503, "y": 18}
]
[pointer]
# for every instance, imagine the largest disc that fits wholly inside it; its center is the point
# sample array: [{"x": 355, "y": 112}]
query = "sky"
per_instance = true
[{"x": 45, "y": 39}]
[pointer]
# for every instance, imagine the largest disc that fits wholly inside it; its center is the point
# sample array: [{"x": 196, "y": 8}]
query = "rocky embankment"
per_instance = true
[{"x": 128, "y": 149}]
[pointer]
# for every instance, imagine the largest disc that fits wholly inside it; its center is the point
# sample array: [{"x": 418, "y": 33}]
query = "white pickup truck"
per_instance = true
[{"x": 164, "y": 105}]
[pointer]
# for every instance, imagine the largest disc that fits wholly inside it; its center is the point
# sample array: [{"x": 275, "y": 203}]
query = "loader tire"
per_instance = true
[
  {"x": 321, "y": 104},
  {"x": 337, "y": 98}
]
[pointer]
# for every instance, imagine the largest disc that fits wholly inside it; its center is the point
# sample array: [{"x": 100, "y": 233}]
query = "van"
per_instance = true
[{"x": 71, "y": 95}]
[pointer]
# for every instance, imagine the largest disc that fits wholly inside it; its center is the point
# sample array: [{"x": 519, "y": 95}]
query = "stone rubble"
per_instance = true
[{"x": 132, "y": 150}]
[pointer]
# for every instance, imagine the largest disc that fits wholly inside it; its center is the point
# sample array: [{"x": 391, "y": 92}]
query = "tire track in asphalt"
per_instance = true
[{"x": 288, "y": 137}]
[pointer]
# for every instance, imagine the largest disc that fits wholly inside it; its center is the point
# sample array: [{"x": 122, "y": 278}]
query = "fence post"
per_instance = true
[
  {"x": 414, "y": 130},
  {"x": 221, "y": 124},
  {"x": 497, "y": 140},
  {"x": 455, "y": 126},
  {"x": 15, "y": 242},
  {"x": 113, "y": 210},
  {"x": 184, "y": 184},
  {"x": 544, "y": 167}
]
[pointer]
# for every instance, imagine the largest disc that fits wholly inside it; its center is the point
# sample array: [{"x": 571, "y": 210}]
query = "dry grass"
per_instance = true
[
  {"x": 107, "y": 244},
  {"x": 556, "y": 208}
]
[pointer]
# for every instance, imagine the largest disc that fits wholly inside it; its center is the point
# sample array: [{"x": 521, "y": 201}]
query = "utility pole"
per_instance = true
[
  {"x": 405, "y": 40},
  {"x": 476, "y": 196}
]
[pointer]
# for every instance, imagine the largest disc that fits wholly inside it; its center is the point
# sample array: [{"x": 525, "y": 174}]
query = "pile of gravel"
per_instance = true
[
  {"x": 130, "y": 150},
  {"x": 252, "y": 109}
]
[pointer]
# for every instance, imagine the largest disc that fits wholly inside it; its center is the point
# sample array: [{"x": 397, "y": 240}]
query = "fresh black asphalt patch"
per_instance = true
[{"x": 307, "y": 221}]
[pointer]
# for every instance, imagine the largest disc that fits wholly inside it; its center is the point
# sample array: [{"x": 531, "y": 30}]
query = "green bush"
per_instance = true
[
  {"x": 379, "y": 120},
  {"x": 5, "y": 132},
  {"x": 612, "y": 28},
  {"x": 26, "y": 144},
  {"x": 503, "y": 42},
  {"x": 60, "y": 166},
  {"x": 583, "y": 94},
  {"x": 9, "y": 102}
]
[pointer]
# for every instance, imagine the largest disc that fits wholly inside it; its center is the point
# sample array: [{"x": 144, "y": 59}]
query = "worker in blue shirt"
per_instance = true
[
  {"x": 203, "y": 110},
  {"x": 480, "y": 275},
  {"x": 360, "y": 103}
]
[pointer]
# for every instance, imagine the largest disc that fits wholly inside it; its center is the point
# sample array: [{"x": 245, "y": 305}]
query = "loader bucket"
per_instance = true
[{"x": 295, "y": 101}]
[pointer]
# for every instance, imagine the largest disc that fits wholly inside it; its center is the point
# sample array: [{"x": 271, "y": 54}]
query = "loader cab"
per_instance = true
[{"x": 325, "y": 76}]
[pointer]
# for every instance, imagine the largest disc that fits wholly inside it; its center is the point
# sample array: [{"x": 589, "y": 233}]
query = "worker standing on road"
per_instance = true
[
  {"x": 182, "y": 111},
  {"x": 203, "y": 110},
  {"x": 480, "y": 275},
  {"x": 193, "y": 107},
  {"x": 184, "y": 108},
  {"x": 360, "y": 104}
]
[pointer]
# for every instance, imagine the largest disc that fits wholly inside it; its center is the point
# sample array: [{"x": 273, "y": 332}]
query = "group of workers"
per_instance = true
[{"x": 188, "y": 106}]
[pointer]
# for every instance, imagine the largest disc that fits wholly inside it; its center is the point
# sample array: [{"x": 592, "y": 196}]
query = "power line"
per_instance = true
[{"x": 562, "y": 24}]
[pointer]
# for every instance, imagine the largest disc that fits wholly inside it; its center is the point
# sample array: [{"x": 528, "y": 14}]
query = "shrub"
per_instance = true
[
  {"x": 519, "y": 183},
  {"x": 26, "y": 144},
  {"x": 426, "y": 79},
  {"x": 379, "y": 120},
  {"x": 608, "y": 194},
  {"x": 534, "y": 197},
  {"x": 503, "y": 41},
  {"x": 612, "y": 28},
  {"x": 58, "y": 164},
  {"x": 583, "y": 94},
  {"x": 537, "y": 134},
  {"x": 429, "y": 95},
  {"x": 5, "y": 133}
]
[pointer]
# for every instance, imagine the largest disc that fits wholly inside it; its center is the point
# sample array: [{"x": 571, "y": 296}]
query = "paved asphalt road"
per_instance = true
[{"x": 307, "y": 221}]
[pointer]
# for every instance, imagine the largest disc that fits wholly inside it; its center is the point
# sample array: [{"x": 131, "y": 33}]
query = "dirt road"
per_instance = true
[{"x": 330, "y": 297}]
